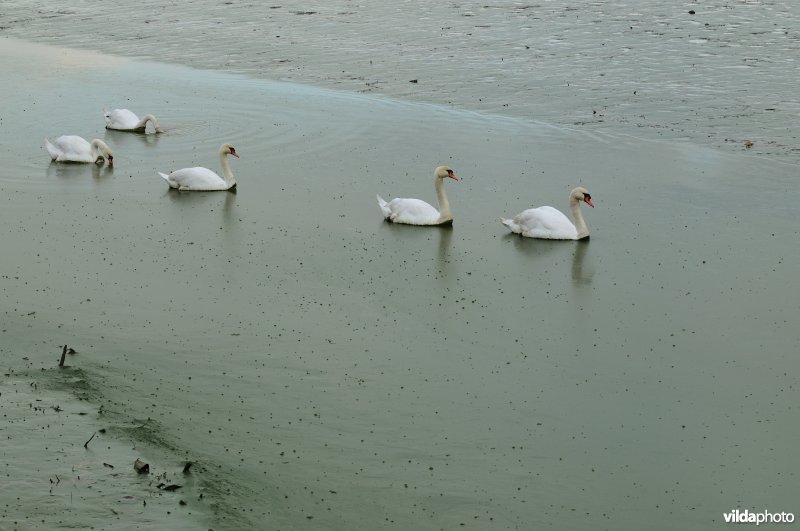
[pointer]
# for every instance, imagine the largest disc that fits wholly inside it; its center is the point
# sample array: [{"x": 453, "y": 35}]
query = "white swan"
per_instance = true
[
  {"x": 125, "y": 120},
  {"x": 418, "y": 212},
  {"x": 548, "y": 223},
  {"x": 203, "y": 179},
  {"x": 71, "y": 148}
]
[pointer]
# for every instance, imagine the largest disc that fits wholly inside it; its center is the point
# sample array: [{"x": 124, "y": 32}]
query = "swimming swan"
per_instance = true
[
  {"x": 548, "y": 223},
  {"x": 71, "y": 148},
  {"x": 203, "y": 179},
  {"x": 125, "y": 120},
  {"x": 418, "y": 212}
]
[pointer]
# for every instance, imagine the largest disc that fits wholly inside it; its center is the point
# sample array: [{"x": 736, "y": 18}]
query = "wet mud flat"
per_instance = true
[
  {"x": 69, "y": 464},
  {"x": 717, "y": 74}
]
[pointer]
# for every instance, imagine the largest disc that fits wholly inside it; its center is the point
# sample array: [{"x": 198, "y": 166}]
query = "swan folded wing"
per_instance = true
[
  {"x": 69, "y": 148},
  {"x": 546, "y": 222},
  {"x": 412, "y": 212},
  {"x": 121, "y": 119},
  {"x": 197, "y": 178}
]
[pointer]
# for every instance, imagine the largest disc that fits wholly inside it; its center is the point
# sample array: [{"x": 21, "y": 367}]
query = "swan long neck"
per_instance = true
[
  {"x": 149, "y": 118},
  {"x": 577, "y": 216},
  {"x": 99, "y": 149},
  {"x": 441, "y": 197},
  {"x": 227, "y": 173}
]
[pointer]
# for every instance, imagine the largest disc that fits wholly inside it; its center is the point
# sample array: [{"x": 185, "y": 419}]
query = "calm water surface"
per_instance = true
[{"x": 325, "y": 370}]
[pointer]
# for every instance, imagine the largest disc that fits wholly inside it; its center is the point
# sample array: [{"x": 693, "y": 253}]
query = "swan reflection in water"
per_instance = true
[
  {"x": 445, "y": 235},
  {"x": 73, "y": 171},
  {"x": 210, "y": 200},
  {"x": 121, "y": 140},
  {"x": 579, "y": 274},
  {"x": 536, "y": 248}
]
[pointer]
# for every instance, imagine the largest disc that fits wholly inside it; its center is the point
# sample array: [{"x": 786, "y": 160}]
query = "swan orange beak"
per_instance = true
[{"x": 589, "y": 202}]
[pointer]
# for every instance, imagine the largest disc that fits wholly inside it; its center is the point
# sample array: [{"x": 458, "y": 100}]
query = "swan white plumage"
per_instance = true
[
  {"x": 418, "y": 212},
  {"x": 125, "y": 120},
  {"x": 548, "y": 223},
  {"x": 71, "y": 148},
  {"x": 203, "y": 179}
]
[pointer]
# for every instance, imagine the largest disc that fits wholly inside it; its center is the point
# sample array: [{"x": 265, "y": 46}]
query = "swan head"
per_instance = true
[
  {"x": 581, "y": 194},
  {"x": 102, "y": 150},
  {"x": 443, "y": 172},
  {"x": 228, "y": 149}
]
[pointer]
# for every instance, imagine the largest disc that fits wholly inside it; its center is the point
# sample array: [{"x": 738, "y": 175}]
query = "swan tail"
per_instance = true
[
  {"x": 384, "y": 207},
  {"x": 165, "y": 177},
  {"x": 510, "y": 224},
  {"x": 51, "y": 149}
]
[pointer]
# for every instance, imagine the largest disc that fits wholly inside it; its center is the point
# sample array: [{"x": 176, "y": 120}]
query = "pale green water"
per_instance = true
[{"x": 326, "y": 370}]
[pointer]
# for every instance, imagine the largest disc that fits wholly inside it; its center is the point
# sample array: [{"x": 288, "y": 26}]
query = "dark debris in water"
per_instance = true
[{"x": 141, "y": 467}]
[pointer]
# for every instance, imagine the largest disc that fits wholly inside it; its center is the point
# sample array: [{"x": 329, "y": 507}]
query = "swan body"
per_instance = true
[
  {"x": 418, "y": 212},
  {"x": 71, "y": 148},
  {"x": 550, "y": 224},
  {"x": 203, "y": 179},
  {"x": 125, "y": 120}
]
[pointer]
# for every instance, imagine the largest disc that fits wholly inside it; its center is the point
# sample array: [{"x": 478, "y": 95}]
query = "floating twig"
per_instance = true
[
  {"x": 63, "y": 355},
  {"x": 186, "y": 467},
  {"x": 86, "y": 444}
]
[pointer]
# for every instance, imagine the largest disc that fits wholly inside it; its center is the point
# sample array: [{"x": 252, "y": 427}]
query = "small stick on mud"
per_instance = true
[
  {"x": 86, "y": 444},
  {"x": 186, "y": 467},
  {"x": 63, "y": 355}
]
